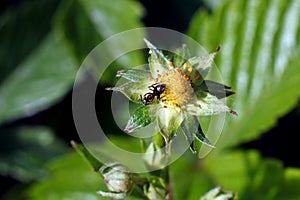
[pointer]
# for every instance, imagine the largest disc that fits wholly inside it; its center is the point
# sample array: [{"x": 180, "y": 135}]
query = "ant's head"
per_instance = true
[{"x": 160, "y": 88}]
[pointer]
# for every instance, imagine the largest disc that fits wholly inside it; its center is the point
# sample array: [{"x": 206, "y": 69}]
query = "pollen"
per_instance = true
[
  {"x": 150, "y": 78},
  {"x": 185, "y": 65},
  {"x": 178, "y": 89}
]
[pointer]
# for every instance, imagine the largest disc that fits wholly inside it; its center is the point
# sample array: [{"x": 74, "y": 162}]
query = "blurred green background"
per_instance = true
[{"x": 42, "y": 44}]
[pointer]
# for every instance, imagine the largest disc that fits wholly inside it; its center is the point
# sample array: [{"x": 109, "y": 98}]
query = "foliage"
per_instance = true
[{"x": 260, "y": 43}]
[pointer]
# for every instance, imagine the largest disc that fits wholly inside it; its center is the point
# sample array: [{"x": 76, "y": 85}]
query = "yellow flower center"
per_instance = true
[{"x": 178, "y": 89}]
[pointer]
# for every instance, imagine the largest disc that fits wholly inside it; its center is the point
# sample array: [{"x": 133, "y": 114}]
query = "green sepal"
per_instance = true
[
  {"x": 192, "y": 129},
  {"x": 199, "y": 135},
  {"x": 134, "y": 75},
  {"x": 189, "y": 127},
  {"x": 136, "y": 86},
  {"x": 180, "y": 56},
  {"x": 158, "y": 63},
  {"x": 141, "y": 117},
  {"x": 207, "y": 106},
  {"x": 81, "y": 150},
  {"x": 203, "y": 64},
  {"x": 158, "y": 139},
  {"x": 168, "y": 122},
  {"x": 134, "y": 91},
  {"x": 216, "y": 89}
]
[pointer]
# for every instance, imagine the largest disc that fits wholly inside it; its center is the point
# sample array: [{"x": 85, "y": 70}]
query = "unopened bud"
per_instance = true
[
  {"x": 117, "y": 177},
  {"x": 155, "y": 157},
  {"x": 217, "y": 194},
  {"x": 156, "y": 193}
]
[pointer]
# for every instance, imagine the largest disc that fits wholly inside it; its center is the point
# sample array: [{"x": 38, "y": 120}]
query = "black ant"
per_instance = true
[{"x": 156, "y": 92}]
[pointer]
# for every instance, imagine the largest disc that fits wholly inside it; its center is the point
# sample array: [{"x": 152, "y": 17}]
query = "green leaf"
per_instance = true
[
  {"x": 107, "y": 16},
  {"x": 126, "y": 143},
  {"x": 141, "y": 117},
  {"x": 289, "y": 188},
  {"x": 125, "y": 150},
  {"x": 41, "y": 80},
  {"x": 259, "y": 58},
  {"x": 84, "y": 152},
  {"x": 193, "y": 187},
  {"x": 21, "y": 31},
  {"x": 87, "y": 23},
  {"x": 266, "y": 185},
  {"x": 25, "y": 150},
  {"x": 245, "y": 173},
  {"x": 258, "y": 178},
  {"x": 70, "y": 178},
  {"x": 81, "y": 35}
]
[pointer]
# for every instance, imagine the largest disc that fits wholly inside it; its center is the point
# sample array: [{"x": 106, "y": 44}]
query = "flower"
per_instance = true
[{"x": 174, "y": 93}]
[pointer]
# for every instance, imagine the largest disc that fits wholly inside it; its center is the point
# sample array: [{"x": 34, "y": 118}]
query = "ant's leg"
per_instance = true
[
  {"x": 161, "y": 97},
  {"x": 158, "y": 97}
]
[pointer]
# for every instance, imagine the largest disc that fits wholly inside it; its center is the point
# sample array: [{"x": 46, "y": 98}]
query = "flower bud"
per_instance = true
[
  {"x": 117, "y": 177},
  {"x": 155, "y": 157},
  {"x": 168, "y": 122},
  {"x": 217, "y": 194},
  {"x": 156, "y": 193}
]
